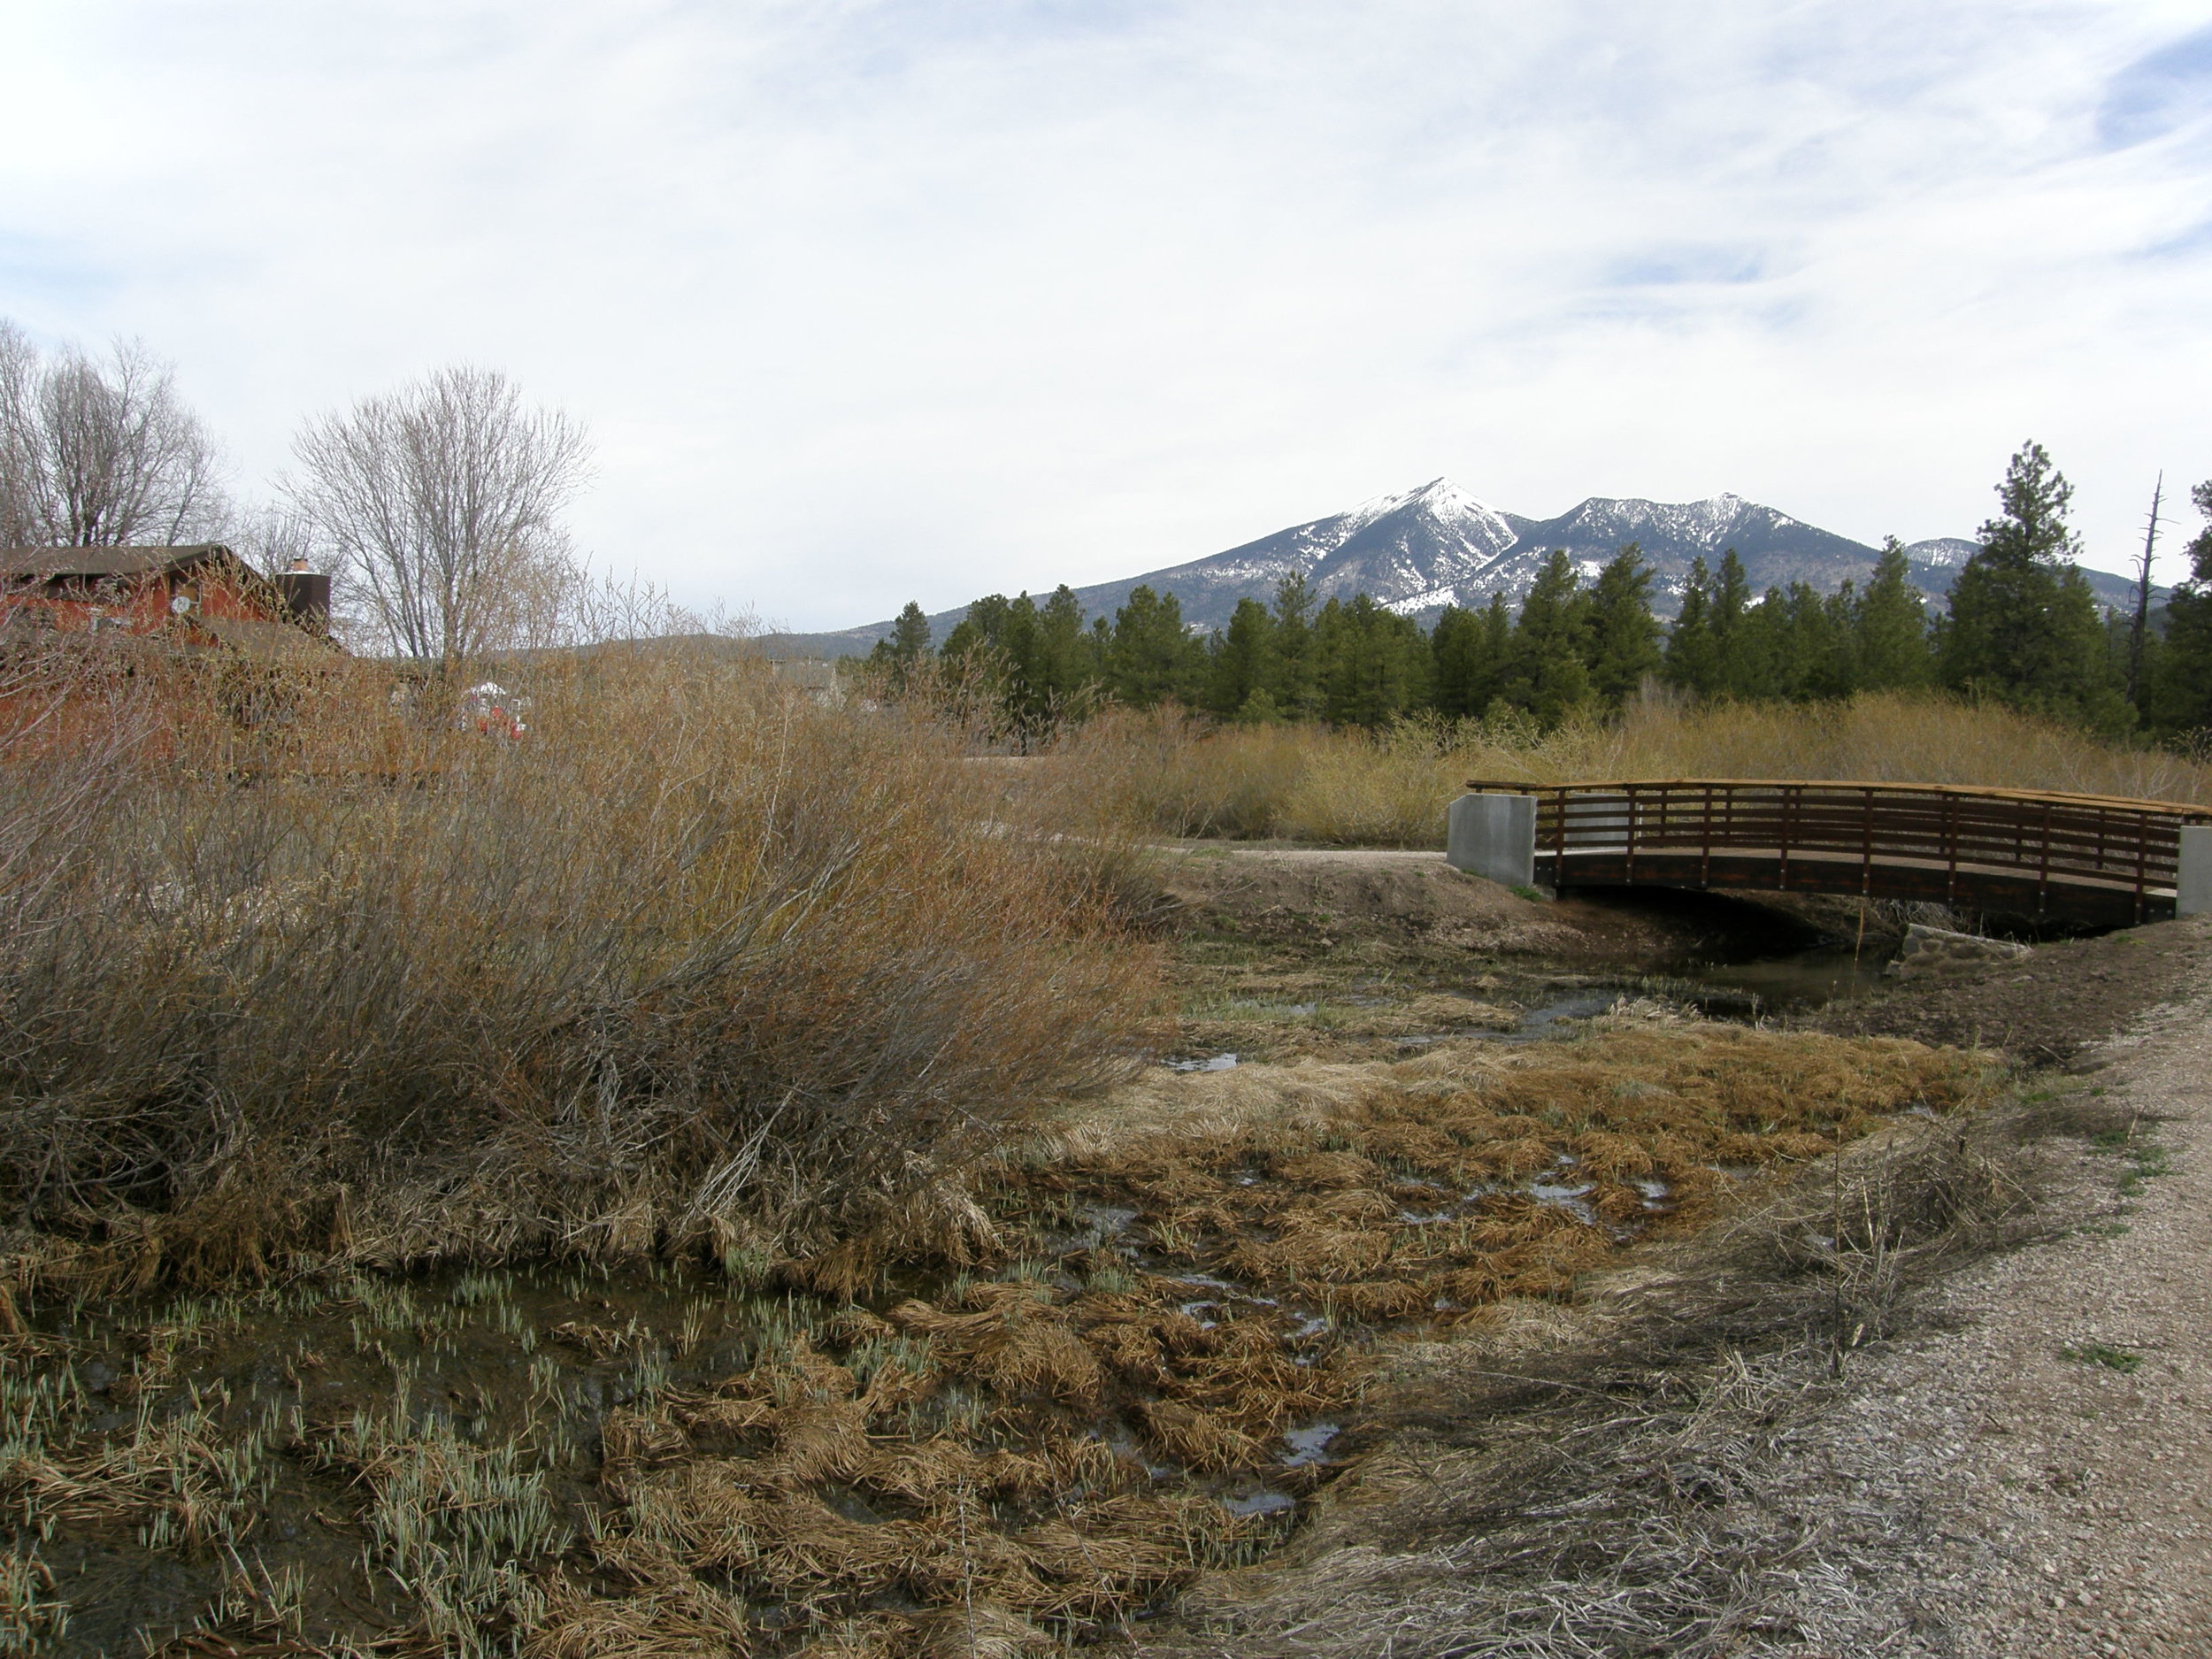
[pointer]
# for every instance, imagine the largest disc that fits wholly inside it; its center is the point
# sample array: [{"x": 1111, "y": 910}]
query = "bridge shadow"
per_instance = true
[
  {"x": 1735, "y": 927},
  {"x": 1706, "y": 926}
]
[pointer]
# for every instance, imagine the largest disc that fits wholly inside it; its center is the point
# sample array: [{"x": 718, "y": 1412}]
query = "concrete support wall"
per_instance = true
[
  {"x": 1493, "y": 836},
  {"x": 2193, "y": 893}
]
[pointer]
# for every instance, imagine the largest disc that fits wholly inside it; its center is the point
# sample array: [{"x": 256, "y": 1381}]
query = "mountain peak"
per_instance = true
[
  {"x": 1446, "y": 499},
  {"x": 1439, "y": 496},
  {"x": 1419, "y": 549}
]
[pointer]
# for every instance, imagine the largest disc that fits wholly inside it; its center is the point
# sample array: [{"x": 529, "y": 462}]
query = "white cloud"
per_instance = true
[{"x": 872, "y": 301}]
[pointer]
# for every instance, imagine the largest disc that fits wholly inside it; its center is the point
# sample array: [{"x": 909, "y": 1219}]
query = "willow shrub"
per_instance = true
[{"x": 694, "y": 965}]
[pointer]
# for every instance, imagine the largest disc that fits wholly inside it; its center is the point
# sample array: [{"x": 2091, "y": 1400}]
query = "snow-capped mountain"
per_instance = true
[
  {"x": 1421, "y": 551},
  {"x": 1411, "y": 551},
  {"x": 1776, "y": 549}
]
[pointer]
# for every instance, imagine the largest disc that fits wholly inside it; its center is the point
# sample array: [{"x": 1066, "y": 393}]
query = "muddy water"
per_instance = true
[
  {"x": 526, "y": 1364},
  {"x": 1806, "y": 978},
  {"x": 1735, "y": 991},
  {"x": 265, "y": 1439}
]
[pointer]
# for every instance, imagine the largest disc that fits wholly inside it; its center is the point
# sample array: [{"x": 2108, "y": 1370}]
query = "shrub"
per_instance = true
[{"x": 694, "y": 965}]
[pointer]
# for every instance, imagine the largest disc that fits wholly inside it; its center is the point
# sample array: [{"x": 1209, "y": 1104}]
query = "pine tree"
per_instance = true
[
  {"x": 1693, "y": 656},
  {"x": 907, "y": 645},
  {"x": 1623, "y": 636},
  {"x": 1373, "y": 664},
  {"x": 1294, "y": 692},
  {"x": 1889, "y": 628},
  {"x": 1546, "y": 669},
  {"x": 1738, "y": 666},
  {"x": 977, "y": 634},
  {"x": 2180, "y": 667},
  {"x": 1817, "y": 655},
  {"x": 2024, "y": 626},
  {"x": 1021, "y": 643},
  {"x": 1467, "y": 662},
  {"x": 910, "y": 634},
  {"x": 1795, "y": 645},
  {"x": 1001, "y": 643},
  {"x": 1755, "y": 659},
  {"x": 1497, "y": 643},
  {"x": 1150, "y": 658},
  {"x": 2138, "y": 650},
  {"x": 1243, "y": 662},
  {"x": 1068, "y": 666}
]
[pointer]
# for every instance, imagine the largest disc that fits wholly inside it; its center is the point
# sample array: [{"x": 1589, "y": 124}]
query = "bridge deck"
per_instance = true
[{"x": 2084, "y": 858}]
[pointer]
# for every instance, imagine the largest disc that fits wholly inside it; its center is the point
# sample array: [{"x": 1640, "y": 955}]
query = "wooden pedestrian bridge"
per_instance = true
[{"x": 2094, "y": 859}]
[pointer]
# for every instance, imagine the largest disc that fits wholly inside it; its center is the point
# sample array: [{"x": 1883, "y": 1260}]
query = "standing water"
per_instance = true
[{"x": 1808, "y": 979}]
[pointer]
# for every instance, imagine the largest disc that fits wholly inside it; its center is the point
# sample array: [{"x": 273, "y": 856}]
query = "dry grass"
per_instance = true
[
  {"x": 829, "y": 1486},
  {"x": 696, "y": 966},
  {"x": 700, "y": 971},
  {"x": 1179, "y": 777},
  {"x": 1195, "y": 1267}
]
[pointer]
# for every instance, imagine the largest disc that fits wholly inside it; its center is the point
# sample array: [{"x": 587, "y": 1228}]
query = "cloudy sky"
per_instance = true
[{"x": 867, "y": 301}]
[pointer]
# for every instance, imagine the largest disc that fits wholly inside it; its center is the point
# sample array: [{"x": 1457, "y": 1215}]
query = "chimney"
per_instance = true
[{"x": 299, "y": 564}]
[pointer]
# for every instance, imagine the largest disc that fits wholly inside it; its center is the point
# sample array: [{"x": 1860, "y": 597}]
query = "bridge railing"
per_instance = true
[{"x": 1944, "y": 840}]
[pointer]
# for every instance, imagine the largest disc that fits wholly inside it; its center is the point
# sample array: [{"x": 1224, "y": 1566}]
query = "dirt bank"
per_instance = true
[
  {"x": 2031, "y": 1472},
  {"x": 2044, "y": 1008},
  {"x": 1307, "y": 901}
]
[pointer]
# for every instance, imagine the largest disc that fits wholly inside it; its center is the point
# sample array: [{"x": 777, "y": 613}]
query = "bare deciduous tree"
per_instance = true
[
  {"x": 441, "y": 502},
  {"x": 99, "y": 452}
]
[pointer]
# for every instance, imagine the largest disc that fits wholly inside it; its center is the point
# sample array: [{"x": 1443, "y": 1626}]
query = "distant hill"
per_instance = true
[{"x": 1437, "y": 545}]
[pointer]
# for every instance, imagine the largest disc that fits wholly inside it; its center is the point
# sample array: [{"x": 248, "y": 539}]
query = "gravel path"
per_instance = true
[{"x": 2037, "y": 1479}]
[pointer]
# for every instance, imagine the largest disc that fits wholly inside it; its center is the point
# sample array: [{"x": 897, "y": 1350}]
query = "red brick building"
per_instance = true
[{"x": 204, "y": 595}]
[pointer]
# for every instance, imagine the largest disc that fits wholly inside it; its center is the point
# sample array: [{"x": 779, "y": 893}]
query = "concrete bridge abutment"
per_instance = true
[
  {"x": 2193, "y": 889},
  {"x": 1493, "y": 836}
]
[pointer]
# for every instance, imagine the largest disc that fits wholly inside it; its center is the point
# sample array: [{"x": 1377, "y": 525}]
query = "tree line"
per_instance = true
[{"x": 2022, "y": 627}]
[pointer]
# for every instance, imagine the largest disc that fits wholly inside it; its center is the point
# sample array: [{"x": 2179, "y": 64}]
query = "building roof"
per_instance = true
[{"x": 45, "y": 564}]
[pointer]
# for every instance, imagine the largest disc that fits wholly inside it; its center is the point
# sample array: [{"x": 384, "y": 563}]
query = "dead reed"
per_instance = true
[
  {"x": 1168, "y": 1291},
  {"x": 1189, "y": 1271},
  {"x": 695, "y": 971},
  {"x": 1474, "y": 1174}
]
